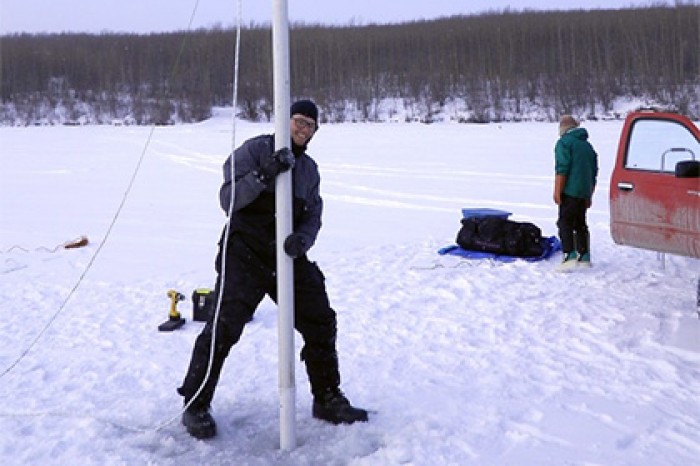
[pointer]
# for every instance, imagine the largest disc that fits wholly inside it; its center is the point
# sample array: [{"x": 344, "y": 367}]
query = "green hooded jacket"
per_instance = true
[{"x": 576, "y": 159}]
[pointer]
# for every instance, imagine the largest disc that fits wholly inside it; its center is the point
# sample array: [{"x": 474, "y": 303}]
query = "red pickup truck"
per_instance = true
[{"x": 655, "y": 185}]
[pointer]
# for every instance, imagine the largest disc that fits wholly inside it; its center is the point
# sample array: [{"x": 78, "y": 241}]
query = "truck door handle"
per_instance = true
[
  {"x": 694, "y": 193},
  {"x": 624, "y": 186}
]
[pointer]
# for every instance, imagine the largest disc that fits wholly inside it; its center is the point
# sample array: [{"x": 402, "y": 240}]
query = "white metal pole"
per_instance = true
[{"x": 283, "y": 199}]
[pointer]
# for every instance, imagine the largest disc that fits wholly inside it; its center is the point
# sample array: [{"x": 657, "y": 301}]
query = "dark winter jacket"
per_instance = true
[
  {"x": 254, "y": 209},
  {"x": 576, "y": 159}
]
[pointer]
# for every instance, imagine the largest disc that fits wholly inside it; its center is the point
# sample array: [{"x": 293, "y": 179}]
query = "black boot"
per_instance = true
[
  {"x": 331, "y": 405},
  {"x": 199, "y": 423},
  {"x": 196, "y": 418}
]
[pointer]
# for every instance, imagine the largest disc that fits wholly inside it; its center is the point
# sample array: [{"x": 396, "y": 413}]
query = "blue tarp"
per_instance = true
[{"x": 551, "y": 245}]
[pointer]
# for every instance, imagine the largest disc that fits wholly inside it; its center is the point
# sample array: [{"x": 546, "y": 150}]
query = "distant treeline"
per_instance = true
[{"x": 497, "y": 65}]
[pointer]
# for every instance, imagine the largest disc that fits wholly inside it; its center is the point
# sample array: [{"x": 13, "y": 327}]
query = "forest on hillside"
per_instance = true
[{"x": 494, "y": 66}]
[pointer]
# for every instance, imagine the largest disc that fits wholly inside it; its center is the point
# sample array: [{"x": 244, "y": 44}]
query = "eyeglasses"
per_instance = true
[{"x": 304, "y": 124}]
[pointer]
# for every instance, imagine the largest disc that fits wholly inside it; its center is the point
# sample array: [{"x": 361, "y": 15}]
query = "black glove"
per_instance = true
[
  {"x": 295, "y": 245},
  {"x": 281, "y": 161}
]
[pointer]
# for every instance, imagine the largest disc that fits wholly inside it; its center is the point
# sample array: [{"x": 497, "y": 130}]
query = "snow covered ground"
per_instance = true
[{"x": 466, "y": 362}]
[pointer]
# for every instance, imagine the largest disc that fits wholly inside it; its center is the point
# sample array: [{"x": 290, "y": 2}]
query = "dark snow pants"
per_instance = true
[
  {"x": 248, "y": 278},
  {"x": 573, "y": 230}
]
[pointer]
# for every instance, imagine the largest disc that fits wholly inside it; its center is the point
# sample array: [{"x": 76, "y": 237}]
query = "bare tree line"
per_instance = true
[{"x": 497, "y": 65}]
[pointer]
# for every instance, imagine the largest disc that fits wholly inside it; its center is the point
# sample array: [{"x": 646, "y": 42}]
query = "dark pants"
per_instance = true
[
  {"x": 249, "y": 277},
  {"x": 573, "y": 230}
]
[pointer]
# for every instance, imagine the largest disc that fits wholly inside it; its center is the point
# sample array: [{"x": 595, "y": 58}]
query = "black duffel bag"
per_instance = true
[{"x": 500, "y": 236}]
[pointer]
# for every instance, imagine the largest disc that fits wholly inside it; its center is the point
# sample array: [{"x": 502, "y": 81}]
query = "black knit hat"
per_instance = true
[{"x": 306, "y": 108}]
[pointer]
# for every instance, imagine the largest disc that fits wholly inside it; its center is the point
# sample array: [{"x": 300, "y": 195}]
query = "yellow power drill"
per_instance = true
[{"x": 175, "y": 320}]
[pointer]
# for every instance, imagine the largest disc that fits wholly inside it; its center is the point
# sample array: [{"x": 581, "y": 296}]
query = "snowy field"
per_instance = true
[{"x": 466, "y": 362}]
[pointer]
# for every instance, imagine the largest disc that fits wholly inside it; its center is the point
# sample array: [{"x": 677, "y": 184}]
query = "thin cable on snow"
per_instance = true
[
  {"x": 116, "y": 215},
  {"x": 222, "y": 278},
  {"x": 111, "y": 226}
]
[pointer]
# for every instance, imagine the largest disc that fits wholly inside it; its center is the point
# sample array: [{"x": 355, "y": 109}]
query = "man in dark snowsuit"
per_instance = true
[{"x": 250, "y": 261}]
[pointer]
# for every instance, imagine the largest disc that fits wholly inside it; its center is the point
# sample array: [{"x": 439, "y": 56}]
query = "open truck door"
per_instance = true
[{"x": 655, "y": 185}]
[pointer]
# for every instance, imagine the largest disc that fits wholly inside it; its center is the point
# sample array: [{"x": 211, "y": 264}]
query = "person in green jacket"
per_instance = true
[{"x": 576, "y": 172}]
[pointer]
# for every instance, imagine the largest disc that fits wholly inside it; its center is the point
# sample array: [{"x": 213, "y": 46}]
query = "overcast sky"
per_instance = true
[{"x": 144, "y": 16}]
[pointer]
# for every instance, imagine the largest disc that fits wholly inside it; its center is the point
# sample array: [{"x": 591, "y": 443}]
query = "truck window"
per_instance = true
[{"x": 657, "y": 145}]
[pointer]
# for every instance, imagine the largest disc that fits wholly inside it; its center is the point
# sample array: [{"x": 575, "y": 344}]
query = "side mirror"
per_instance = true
[{"x": 688, "y": 169}]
